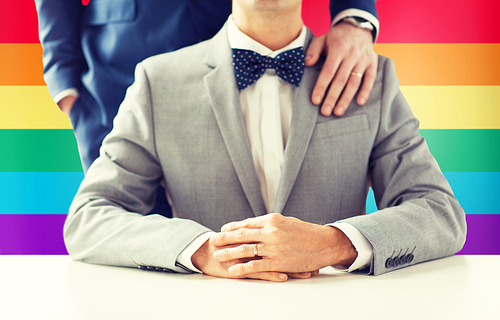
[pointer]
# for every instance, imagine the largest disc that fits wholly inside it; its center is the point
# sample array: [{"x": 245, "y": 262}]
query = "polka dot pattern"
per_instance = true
[{"x": 249, "y": 66}]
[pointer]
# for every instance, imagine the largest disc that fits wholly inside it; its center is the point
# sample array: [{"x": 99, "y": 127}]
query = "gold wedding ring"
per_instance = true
[
  {"x": 357, "y": 74},
  {"x": 255, "y": 251}
]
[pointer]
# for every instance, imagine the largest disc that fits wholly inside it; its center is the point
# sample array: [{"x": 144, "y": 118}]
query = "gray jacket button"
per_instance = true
[{"x": 388, "y": 263}]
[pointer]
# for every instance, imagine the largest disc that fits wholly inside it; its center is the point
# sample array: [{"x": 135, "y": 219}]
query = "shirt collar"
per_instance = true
[{"x": 239, "y": 40}]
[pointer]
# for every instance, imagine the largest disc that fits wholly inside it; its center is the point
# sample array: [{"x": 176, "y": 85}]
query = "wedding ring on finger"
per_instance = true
[
  {"x": 357, "y": 74},
  {"x": 255, "y": 250}
]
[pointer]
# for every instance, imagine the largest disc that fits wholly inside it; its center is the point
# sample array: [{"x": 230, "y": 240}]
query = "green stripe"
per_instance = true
[
  {"x": 461, "y": 150},
  {"x": 39, "y": 150},
  {"x": 56, "y": 150}
]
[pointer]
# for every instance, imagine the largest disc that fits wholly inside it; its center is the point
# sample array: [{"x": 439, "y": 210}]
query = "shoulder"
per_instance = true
[
  {"x": 386, "y": 66},
  {"x": 386, "y": 73},
  {"x": 386, "y": 82},
  {"x": 185, "y": 61}
]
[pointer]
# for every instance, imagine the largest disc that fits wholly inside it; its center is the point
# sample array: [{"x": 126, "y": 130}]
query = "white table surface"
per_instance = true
[{"x": 55, "y": 287}]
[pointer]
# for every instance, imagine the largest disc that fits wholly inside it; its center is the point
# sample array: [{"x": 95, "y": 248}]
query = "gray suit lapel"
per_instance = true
[
  {"x": 225, "y": 101},
  {"x": 304, "y": 116}
]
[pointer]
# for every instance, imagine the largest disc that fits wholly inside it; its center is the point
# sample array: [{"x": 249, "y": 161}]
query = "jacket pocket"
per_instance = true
[
  {"x": 341, "y": 126},
  {"x": 100, "y": 12}
]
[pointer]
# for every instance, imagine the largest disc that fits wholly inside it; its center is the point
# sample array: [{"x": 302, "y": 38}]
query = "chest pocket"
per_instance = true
[
  {"x": 342, "y": 126},
  {"x": 100, "y": 12}
]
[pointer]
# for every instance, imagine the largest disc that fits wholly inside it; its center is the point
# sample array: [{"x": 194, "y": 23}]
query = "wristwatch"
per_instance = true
[{"x": 360, "y": 23}]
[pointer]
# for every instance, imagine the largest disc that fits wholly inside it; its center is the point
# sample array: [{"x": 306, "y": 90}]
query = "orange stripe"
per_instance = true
[
  {"x": 21, "y": 64},
  {"x": 416, "y": 64},
  {"x": 444, "y": 63}
]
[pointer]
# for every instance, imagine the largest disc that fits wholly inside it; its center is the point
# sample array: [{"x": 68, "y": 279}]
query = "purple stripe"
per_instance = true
[
  {"x": 42, "y": 234},
  {"x": 483, "y": 234},
  {"x": 32, "y": 234}
]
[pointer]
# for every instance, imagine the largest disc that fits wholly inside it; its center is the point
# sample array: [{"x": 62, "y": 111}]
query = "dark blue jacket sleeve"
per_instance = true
[
  {"x": 337, "y": 6},
  {"x": 59, "y": 23}
]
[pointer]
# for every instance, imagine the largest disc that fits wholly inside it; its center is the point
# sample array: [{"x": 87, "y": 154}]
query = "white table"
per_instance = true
[{"x": 55, "y": 287}]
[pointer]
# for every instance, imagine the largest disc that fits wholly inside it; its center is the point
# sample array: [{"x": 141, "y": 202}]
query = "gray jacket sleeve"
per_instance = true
[
  {"x": 107, "y": 221},
  {"x": 418, "y": 213}
]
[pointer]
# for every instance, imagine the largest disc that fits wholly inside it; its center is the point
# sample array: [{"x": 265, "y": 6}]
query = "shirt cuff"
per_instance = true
[
  {"x": 360, "y": 14},
  {"x": 362, "y": 246},
  {"x": 184, "y": 257},
  {"x": 66, "y": 92}
]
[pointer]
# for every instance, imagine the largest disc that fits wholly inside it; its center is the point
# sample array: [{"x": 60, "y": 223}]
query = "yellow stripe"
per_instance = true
[
  {"x": 437, "y": 107},
  {"x": 30, "y": 107},
  {"x": 455, "y": 107}
]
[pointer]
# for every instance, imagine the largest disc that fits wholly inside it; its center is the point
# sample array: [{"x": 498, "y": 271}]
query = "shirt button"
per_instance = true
[
  {"x": 271, "y": 156},
  {"x": 268, "y": 98}
]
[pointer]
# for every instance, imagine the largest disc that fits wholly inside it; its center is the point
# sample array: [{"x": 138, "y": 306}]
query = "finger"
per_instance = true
[
  {"x": 303, "y": 275},
  {"x": 326, "y": 75},
  {"x": 250, "y": 223},
  {"x": 300, "y": 275},
  {"x": 253, "y": 266},
  {"x": 314, "y": 50},
  {"x": 253, "y": 223},
  {"x": 239, "y": 252},
  {"x": 368, "y": 81},
  {"x": 269, "y": 276},
  {"x": 236, "y": 237},
  {"x": 338, "y": 84},
  {"x": 350, "y": 90}
]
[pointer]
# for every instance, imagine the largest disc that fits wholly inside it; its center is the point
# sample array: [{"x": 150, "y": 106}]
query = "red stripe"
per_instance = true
[
  {"x": 316, "y": 15},
  {"x": 18, "y": 21},
  {"x": 402, "y": 21},
  {"x": 439, "y": 21}
]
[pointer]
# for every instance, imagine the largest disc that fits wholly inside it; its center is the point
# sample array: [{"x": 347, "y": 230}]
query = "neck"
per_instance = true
[{"x": 274, "y": 29}]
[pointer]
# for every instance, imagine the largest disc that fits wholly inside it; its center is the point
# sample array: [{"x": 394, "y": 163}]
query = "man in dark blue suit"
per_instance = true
[{"x": 90, "y": 52}]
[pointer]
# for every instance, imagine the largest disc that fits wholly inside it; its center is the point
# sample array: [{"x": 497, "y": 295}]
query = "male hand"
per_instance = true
[
  {"x": 66, "y": 104},
  {"x": 285, "y": 244},
  {"x": 204, "y": 261},
  {"x": 349, "y": 50}
]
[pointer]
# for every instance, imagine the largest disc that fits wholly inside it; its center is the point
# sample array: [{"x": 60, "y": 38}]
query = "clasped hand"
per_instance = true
[{"x": 287, "y": 247}]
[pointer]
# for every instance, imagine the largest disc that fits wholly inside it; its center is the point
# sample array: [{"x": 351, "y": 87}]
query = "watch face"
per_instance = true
[{"x": 360, "y": 22}]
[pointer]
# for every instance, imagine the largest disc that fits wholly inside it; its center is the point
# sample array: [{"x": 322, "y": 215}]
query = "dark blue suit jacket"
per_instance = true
[{"x": 95, "y": 49}]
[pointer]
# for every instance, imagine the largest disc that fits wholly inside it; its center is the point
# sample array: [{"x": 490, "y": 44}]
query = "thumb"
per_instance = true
[{"x": 314, "y": 51}]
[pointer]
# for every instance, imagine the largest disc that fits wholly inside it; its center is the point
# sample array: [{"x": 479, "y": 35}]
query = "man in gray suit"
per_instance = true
[{"x": 232, "y": 141}]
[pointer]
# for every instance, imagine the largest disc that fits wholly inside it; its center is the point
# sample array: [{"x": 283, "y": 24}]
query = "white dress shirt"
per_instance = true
[{"x": 267, "y": 112}]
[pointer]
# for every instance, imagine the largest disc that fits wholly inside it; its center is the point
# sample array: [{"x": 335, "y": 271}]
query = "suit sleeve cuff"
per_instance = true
[
  {"x": 66, "y": 92},
  {"x": 363, "y": 247},
  {"x": 184, "y": 257},
  {"x": 360, "y": 14}
]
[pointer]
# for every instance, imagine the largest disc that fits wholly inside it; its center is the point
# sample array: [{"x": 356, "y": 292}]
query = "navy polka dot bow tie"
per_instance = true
[{"x": 249, "y": 66}]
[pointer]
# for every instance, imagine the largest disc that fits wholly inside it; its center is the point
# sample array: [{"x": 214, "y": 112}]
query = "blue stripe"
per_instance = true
[
  {"x": 38, "y": 192},
  {"x": 52, "y": 192},
  {"x": 371, "y": 205},
  {"x": 477, "y": 192}
]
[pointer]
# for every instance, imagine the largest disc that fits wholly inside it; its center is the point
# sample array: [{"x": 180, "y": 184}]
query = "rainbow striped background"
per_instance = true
[{"x": 447, "y": 56}]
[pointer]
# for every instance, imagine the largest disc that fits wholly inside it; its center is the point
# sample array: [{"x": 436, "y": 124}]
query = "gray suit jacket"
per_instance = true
[{"x": 181, "y": 124}]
